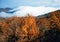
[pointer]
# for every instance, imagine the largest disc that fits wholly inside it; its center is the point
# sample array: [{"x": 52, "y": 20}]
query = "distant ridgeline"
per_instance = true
[
  {"x": 5, "y": 9},
  {"x": 44, "y": 28}
]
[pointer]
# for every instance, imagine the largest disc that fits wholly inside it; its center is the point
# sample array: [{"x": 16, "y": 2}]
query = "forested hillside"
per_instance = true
[{"x": 31, "y": 29}]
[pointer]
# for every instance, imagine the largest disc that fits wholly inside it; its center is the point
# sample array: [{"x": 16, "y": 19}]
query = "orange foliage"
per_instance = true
[{"x": 29, "y": 27}]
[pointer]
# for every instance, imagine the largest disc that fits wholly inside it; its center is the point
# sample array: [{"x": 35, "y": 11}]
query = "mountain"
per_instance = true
[
  {"x": 47, "y": 14},
  {"x": 5, "y": 9},
  {"x": 4, "y": 12},
  {"x": 45, "y": 28},
  {"x": 50, "y": 19}
]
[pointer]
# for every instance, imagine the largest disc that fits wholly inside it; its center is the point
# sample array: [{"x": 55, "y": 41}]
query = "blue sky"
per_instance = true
[{"x": 35, "y": 3}]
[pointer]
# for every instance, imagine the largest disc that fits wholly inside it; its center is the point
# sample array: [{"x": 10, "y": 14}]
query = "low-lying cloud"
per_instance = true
[{"x": 24, "y": 10}]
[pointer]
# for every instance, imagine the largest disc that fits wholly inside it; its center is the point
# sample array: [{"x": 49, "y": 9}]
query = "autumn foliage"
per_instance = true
[{"x": 29, "y": 28}]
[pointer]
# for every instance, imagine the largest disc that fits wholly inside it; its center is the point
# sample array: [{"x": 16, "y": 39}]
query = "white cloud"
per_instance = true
[
  {"x": 35, "y": 11},
  {"x": 57, "y": 1},
  {"x": 24, "y": 10},
  {"x": 3, "y": 14}
]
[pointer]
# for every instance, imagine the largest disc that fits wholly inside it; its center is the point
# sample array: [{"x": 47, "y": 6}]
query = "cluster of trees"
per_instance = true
[
  {"x": 25, "y": 28},
  {"x": 31, "y": 29}
]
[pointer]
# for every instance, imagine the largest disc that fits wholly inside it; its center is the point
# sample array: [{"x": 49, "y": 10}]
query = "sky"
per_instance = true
[
  {"x": 34, "y": 3},
  {"x": 31, "y": 7}
]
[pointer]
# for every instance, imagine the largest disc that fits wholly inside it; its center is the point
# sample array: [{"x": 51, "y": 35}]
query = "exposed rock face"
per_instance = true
[{"x": 31, "y": 29}]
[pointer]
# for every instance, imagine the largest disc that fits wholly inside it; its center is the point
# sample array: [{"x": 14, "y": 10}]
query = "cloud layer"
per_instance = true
[{"x": 24, "y": 10}]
